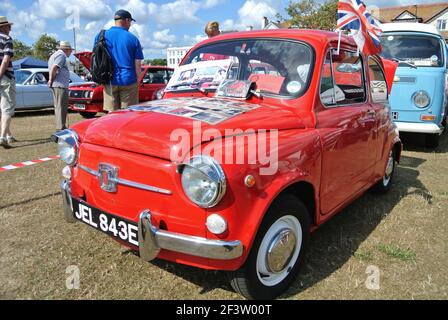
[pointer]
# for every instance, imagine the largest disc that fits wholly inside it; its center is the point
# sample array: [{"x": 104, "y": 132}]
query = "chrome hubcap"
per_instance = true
[
  {"x": 389, "y": 169},
  {"x": 280, "y": 251}
]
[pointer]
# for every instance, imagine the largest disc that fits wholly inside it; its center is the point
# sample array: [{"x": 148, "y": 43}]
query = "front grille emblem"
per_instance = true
[{"x": 108, "y": 177}]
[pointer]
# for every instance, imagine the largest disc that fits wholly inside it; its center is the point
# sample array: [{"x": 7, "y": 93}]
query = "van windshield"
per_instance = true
[{"x": 419, "y": 50}]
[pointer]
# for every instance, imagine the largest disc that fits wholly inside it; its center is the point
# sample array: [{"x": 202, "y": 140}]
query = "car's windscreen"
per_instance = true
[
  {"x": 277, "y": 67},
  {"x": 21, "y": 76},
  {"x": 419, "y": 50}
]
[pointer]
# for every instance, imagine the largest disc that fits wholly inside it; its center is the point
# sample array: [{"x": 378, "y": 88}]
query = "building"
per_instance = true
[
  {"x": 435, "y": 14},
  {"x": 175, "y": 55}
]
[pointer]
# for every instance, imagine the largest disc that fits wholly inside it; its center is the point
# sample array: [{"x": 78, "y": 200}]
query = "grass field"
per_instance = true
[{"x": 403, "y": 234}]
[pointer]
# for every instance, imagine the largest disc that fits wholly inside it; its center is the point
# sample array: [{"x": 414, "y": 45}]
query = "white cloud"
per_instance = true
[
  {"x": 252, "y": 13},
  {"x": 88, "y": 9},
  {"x": 211, "y": 3},
  {"x": 177, "y": 12},
  {"x": 164, "y": 36}
]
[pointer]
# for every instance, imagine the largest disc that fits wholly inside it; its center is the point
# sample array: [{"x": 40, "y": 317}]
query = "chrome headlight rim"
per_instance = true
[
  {"x": 70, "y": 138},
  {"x": 219, "y": 178},
  {"x": 421, "y": 93}
]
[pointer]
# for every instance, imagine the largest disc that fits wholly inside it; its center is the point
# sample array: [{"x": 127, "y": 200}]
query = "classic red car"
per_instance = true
[
  {"x": 235, "y": 177},
  {"x": 87, "y": 98}
]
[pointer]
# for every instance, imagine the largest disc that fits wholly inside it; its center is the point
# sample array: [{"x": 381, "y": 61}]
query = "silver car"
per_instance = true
[{"x": 32, "y": 88}]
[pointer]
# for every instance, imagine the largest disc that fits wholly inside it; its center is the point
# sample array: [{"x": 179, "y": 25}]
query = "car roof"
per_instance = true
[
  {"x": 409, "y": 27},
  {"x": 307, "y": 35}
]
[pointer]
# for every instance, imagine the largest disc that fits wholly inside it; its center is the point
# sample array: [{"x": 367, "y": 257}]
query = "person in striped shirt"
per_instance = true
[{"x": 7, "y": 83}]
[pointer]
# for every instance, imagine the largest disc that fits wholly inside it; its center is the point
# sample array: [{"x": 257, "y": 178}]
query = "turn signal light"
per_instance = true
[{"x": 426, "y": 117}]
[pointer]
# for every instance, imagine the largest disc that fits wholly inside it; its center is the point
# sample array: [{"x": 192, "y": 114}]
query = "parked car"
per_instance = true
[
  {"x": 419, "y": 100},
  {"x": 147, "y": 177},
  {"x": 87, "y": 98},
  {"x": 32, "y": 91}
]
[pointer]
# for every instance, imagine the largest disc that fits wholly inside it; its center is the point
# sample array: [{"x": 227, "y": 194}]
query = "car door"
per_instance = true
[
  {"x": 345, "y": 124},
  {"x": 379, "y": 104},
  {"x": 36, "y": 92},
  {"x": 153, "y": 80}
]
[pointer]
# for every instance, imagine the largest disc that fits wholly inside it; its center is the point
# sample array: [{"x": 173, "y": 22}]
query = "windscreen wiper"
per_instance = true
[{"x": 405, "y": 62}]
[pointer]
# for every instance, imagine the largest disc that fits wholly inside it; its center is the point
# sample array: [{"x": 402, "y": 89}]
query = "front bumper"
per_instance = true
[
  {"x": 151, "y": 239},
  {"x": 418, "y": 127}
]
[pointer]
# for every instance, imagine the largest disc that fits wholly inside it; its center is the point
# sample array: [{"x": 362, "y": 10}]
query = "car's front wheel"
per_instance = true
[
  {"x": 385, "y": 183},
  {"x": 277, "y": 252}
]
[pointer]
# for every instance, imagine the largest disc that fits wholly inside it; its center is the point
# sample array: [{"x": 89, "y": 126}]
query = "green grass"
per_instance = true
[
  {"x": 364, "y": 255},
  {"x": 396, "y": 252}
]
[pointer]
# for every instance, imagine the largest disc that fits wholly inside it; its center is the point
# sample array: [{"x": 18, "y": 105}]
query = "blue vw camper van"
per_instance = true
[{"x": 419, "y": 95}]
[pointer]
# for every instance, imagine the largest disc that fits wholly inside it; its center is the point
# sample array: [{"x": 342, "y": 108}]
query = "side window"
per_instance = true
[
  {"x": 378, "y": 85},
  {"x": 348, "y": 77},
  {"x": 327, "y": 90},
  {"x": 40, "y": 79},
  {"x": 155, "y": 77}
]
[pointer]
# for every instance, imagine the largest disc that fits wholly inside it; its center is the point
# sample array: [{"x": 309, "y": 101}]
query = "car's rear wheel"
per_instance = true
[
  {"x": 277, "y": 252},
  {"x": 88, "y": 115},
  {"x": 432, "y": 140},
  {"x": 385, "y": 183}
]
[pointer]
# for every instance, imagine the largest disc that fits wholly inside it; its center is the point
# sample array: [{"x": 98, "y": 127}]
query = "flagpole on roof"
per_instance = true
[{"x": 339, "y": 41}]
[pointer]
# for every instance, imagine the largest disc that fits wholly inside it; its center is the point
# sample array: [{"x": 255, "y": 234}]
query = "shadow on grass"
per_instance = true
[
  {"x": 9, "y": 205},
  {"x": 34, "y": 143},
  {"x": 333, "y": 244}
]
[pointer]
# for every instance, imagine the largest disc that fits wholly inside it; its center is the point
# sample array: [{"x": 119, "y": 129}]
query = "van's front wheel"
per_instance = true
[
  {"x": 277, "y": 252},
  {"x": 432, "y": 140}
]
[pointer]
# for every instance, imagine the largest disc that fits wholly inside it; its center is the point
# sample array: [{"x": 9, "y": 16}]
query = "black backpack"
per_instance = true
[{"x": 102, "y": 68}]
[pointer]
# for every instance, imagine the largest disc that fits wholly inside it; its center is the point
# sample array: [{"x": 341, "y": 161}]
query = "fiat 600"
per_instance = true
[{"x": 260, "y": 138}]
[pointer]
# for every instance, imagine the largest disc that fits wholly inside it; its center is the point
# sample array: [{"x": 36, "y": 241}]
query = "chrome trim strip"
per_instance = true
[
  {"x": 128, "y": 183},
  {"x": 151, "y": 240}
]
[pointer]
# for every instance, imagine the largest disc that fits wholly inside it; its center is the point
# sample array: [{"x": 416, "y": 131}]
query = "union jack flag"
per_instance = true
[{"x": 353, "y": 15}]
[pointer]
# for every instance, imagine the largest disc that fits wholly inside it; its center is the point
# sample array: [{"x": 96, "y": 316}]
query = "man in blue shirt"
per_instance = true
[{"x": 126, "y": 52}]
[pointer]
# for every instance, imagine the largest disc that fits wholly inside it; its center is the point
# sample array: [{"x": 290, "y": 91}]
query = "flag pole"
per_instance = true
[{"x": 339, "y": 41}]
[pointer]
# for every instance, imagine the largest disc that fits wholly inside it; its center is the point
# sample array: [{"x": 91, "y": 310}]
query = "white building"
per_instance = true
[{"x": 175, "y": 55}]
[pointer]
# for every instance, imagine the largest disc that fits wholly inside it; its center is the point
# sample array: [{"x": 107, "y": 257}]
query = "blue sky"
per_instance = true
[{"x": 160, "y": 24}]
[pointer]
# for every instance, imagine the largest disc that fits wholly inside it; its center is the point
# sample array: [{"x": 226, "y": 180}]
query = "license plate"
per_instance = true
[
  {"x": 80, "y": 106},
  {"x": 116, "y": 227}
]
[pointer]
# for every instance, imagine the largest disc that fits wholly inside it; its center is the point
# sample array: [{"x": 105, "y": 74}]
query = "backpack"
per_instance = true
[{"x": 102, "y": 68}]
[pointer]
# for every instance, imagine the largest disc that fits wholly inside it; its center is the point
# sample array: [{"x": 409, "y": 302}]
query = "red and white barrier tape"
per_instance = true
[{"x": 27, "y": 163}]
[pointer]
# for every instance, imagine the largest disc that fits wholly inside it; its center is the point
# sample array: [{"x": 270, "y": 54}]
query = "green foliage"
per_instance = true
[
  {"x": 308, "y": 14},
  {"x": 154, "y": 62},
  {"x": 396, "y": 252},
  {"x": 45, "y": 46},
  {"x": 21, "y": 50},
  {"x": 364, "y": 255}
]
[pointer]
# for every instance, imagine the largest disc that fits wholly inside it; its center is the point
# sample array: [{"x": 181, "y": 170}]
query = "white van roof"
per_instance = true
[{"x": 409, "y": 26}]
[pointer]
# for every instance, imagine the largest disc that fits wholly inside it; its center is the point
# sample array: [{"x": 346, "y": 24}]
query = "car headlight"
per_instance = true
[
  {"x": 88, "y": 94},
  {"x": 421, "y": 99},
  {"x": 203, "y": 181},
  {"x": 68, "y": 146}
]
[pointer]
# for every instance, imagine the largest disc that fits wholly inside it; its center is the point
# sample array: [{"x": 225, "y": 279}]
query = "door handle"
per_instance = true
[{"x": 371, "y": 113}]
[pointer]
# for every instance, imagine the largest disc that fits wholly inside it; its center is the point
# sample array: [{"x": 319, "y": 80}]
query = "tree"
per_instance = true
[
  {"x": 45, "y": 46},
  {"x": 21, "y": 50},
  {"x": 159, "y": 62},
  {"x": 308, "y": 14}
]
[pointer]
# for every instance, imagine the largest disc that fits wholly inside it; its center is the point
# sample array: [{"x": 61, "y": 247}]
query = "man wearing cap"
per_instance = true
[
  {"x": 59, "y": 82},
  {"x": 126, "y": 53},
  {"x": 7, "y": 83}
]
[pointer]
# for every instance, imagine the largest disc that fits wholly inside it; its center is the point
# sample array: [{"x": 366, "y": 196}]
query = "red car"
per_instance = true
[
  {"x": 237, "y": 177},
  {"x": 87, "y": 98}
]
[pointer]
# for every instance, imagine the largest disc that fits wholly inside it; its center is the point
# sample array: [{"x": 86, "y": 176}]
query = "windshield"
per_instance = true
[
  {"x": 419, "y": 50},
  {"x": 21, "y": 76},
  {"x": 277, "y": 67}
]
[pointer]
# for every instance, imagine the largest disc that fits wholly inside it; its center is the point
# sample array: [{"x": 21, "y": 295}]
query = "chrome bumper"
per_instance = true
[
  {"x": 151, "y": 239},
  {"x": 419, "y": 127}
]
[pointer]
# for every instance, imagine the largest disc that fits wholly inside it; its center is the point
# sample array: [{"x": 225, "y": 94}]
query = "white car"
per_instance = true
[{"x": 32, "y": 88}]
